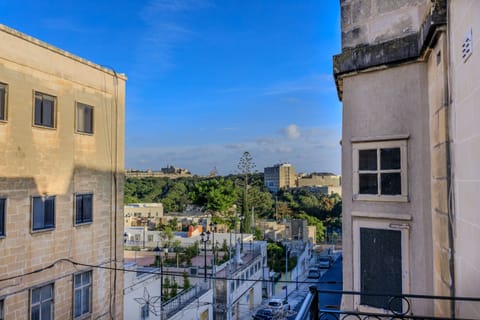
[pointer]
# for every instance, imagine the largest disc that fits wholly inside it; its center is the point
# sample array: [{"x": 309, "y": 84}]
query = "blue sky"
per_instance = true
[{"x": 208, "y": 80}]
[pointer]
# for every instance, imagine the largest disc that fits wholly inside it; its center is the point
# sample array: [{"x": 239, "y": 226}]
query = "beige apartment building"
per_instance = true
[
  {"x": 279, "y": 176},
  {"x": 408, "y": 77},
  {"x": 143, "y": 214},
  {"x": 61, "y": 183}
]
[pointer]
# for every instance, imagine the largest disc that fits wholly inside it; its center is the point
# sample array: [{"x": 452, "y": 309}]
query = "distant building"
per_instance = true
[
  {"x": 61, "y": 183},
  {"x": 318, "y": 179},
  {"x": 170, "y": 172},
  {"x": 279, "y": 176},
  {"x": 143, "y": 214}
]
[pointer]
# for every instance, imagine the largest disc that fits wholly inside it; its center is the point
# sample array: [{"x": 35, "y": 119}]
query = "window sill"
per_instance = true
[
  {"x": 84, "y": 133},
  {"x": 43, "y": 127},
  {"x": 81, "y": 224},
  {"x": 380, "y": 198},
  {"x": 42, "y": 230},
  {"x": 382, "y": 215},
  {"x": 84, "y": 316}
]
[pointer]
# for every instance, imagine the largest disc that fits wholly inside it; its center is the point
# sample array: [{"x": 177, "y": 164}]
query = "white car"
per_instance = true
[{"x": 278, "y": 306}]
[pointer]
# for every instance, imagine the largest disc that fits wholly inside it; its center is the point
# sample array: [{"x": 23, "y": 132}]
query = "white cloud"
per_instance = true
[{"x": 292, "y": 132}]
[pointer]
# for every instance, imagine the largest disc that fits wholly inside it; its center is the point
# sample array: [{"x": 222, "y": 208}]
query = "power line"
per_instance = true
[{"x": 164, "y": 273}]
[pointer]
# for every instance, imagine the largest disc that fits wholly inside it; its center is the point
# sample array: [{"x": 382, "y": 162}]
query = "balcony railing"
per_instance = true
[
  {"x": 184, "y": 298},
  {"x": 395, "y": 306}
]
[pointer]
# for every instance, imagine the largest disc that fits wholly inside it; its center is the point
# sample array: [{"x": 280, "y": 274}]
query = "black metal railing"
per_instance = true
[{"x": 395, "y": 306}]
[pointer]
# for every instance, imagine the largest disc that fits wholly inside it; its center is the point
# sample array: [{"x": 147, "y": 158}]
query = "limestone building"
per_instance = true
[
  {"x": 61, "y": 183},
  {"x": 279, "y": 176},
  {"x": 409, "y": 82}
]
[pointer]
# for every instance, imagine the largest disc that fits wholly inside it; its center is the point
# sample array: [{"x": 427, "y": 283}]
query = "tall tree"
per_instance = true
[
  {"x": 246, "y": 165},
  {"x": 215, "y": 195}
]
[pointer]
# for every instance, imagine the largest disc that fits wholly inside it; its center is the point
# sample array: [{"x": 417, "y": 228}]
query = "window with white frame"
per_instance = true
[
  {"x": 43, "y": 213},
  {"x": 82, "y": 294},
  {"x": 3, "y": 102},
  {"x": 41, "y": 303},
  {"x": 84, "y": 118},
  {"x": 44, "y": 110},
  {"x": 380, "y": 171},
  {"x": 83, "y": 208},
  {"x": 3, "y": 205}
]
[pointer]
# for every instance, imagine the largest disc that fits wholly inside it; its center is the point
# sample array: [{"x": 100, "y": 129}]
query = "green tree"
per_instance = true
[
  {"x": 312, "y": 221},
  {"x": 215, "y": 195},
  {"x": 246, "y": 165},
  {"x": 166, "y": 234},
  {"x": 186, "y": 281}
]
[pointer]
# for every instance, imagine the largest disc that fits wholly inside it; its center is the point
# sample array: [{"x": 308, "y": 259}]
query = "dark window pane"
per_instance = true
[
  {"x": 2, "y": 217},
  {"x": 38, "y": 109},
  {"x": 2, "y": 103},
  {"x": 86, "y": 300},
  {"x": 50, "y": 212},
  {"x": 78, "y": 280},
  {"x": 35, "y": 295},
  {"x": 368, "y": 183},
  {"x": 35, "y": 313},
  {"x": 79, "y": 208},
  {"x": 367, "y": 159},
  {"x": 46, "y": 311},
  {"x": 78, "y": 303},
  {"x": 89, "y": 120},
  {"x": 87, "y": 208},
  {"x": 47, "y": 116},
  {"x": 381, "y": 267},
  {"x": 391, "y": 183},
  {"x": 390, "y": 158},
  {"x": 38, "y": 213},
  {"x": 46, "y": 292},
  {"x": 86, "y": 278}
]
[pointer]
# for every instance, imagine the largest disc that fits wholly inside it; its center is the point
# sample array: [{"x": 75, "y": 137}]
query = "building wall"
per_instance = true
[
  {"x": 465, "y": 85},
  {"x": 379, "y": 106},
  {"x": 318, "y": 180},
  {"x": 366, "y": 22},
  {"x": 279, "y": 176},
  {"x": 37, "y": 161},
  {"x": 143, "y": 214}
]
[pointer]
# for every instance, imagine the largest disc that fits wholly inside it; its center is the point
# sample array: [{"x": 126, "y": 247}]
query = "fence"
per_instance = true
[
  {"x": 184, "y": 298},
  {"x": 394, "y": 306}
]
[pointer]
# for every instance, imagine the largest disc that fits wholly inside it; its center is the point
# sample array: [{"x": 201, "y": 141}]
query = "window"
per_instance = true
[
  {"x": 44, "y": 110},
  {"x": 84, "y": 118},
  {"x": 150, "y": 238},
  {"x": 3, "y": 102},
  {"x": 43, "y": 213},
  {"x": 380, "y": 171},
  {"x": 2, "y": 317},
  {"x": 41, "y": 303},
  {"x": 3, "y": 203},
  {"x": 381, "y": 267},
  {"x": 82, "y": 293},
  {"x": 83, "y": 208}
]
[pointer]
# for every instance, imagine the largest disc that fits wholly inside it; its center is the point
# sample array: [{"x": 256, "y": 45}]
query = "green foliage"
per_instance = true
[
  {"x": 216, "y": 195},
  {"x": 186, "y": 281},
  {"x": 276, "y": 257},
  {"x": 312, "y": 221},
  {"x": 174, "y": 289}
]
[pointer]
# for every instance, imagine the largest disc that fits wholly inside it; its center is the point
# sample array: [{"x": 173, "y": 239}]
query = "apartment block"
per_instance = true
[
  {"x": 279, "y": 176},
  {"x": 61, "y": 183},
  {"x": 408, "y": 79}
]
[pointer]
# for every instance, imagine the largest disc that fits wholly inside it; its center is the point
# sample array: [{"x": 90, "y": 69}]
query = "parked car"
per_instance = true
[
  {"x": 278, "y": 306},
  {"x": 313, "y": 273},
  {"x": 265, "y": 314},
  {"x": 325, "y": 262}
]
